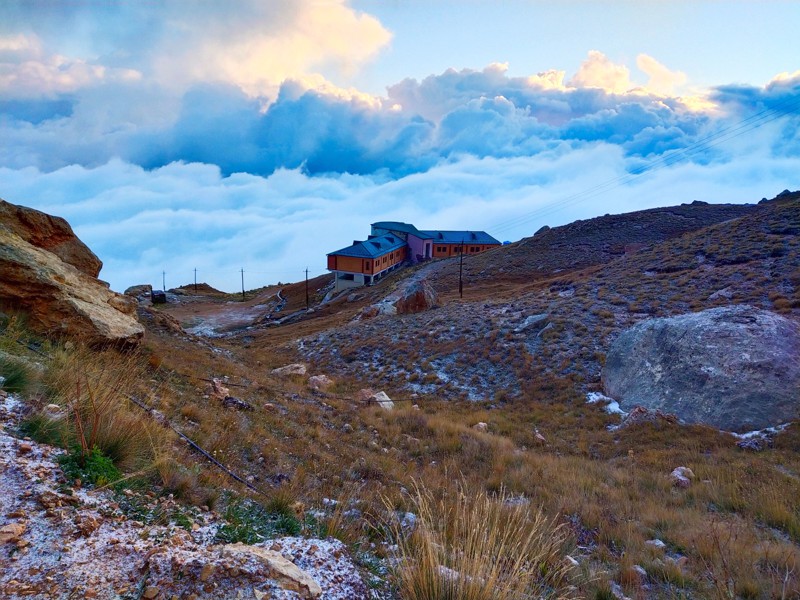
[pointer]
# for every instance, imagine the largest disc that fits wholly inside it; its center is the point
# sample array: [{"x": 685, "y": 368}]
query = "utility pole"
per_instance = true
[
  {"x": 195, "y": 280},
  {"x": 307, "y": 302},
  {"x": 163, "y": 281},
  {"x": 461, "y": 272},
  {"x": 243, "y": 296}
]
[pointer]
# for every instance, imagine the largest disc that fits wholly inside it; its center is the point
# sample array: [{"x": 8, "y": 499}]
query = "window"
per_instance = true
[
  {"x": 391, "y": 256},
  {"x": 366, "y": 264}
]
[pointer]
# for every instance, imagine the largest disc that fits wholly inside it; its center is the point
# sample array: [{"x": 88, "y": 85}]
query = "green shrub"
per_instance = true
[{"x": 93, "y": 467}]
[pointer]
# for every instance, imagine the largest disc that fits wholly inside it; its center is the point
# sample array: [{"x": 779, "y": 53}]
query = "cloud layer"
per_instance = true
[{"x": 218, "y": 140}]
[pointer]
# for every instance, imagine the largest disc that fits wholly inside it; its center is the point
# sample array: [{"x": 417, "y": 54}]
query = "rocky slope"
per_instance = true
[
  {"x": 58, "y": 540},
  {"x": 563, "y": 324},
  {"x": 51, "y": 277}
]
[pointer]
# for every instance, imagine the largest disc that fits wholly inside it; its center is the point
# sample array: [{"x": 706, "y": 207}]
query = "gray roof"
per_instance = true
[
  {"x": 372, "y": 248},
  {"x": 396, "y": 226},
  {"x": 456, "y": 237}
]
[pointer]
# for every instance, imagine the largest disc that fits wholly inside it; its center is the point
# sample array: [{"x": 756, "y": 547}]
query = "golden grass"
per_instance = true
[
  {"x": 94, "y": 388},
  {"x": 468, "y": 545}
]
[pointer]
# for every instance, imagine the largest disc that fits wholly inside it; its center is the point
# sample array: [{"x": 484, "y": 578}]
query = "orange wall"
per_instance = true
[{"x": 366, "y": 265}]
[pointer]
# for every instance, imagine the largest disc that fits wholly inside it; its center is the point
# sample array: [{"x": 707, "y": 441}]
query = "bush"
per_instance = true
[
  {"x": 93, "y": 467},
  {"x": 46, "y": 430},
  {"x": 94, "y": 387},
  {"x": 14, "y": 375},
  {"x": 473, "y": 546}
]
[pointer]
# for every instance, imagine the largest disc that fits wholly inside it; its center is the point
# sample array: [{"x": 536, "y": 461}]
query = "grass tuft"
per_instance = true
[{"x": 472, "y": 546}]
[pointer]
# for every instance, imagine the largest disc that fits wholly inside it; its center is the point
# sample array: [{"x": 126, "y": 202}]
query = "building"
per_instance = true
[{"x": 392, "y": 243}]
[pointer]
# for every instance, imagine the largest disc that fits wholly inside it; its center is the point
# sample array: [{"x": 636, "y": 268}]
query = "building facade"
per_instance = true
[{"x": 392, "y": 243}]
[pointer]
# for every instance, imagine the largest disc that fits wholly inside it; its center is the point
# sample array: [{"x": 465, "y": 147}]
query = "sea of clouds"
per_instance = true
[{"x": 171, "y": 150}]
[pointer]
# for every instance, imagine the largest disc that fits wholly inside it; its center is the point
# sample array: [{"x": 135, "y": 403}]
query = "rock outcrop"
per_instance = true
[
  {"x": 82, "y": 544},
  {"x": 736, "y": 368},
  {"x": 415, "y": 296},
  {"x": 50, "y": 233},
  {"x": 292, "y": 369},
  {"x": 53, "y": 280}
]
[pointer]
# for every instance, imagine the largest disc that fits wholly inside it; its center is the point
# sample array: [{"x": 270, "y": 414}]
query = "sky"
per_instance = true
[{"x": 259, "y": 136}]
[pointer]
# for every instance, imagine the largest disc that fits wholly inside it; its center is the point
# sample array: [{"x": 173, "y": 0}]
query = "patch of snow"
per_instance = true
[
  {"x": 593, "y": 397},
  {"x": 327, "y": 562},
  {"x": 759, "y": 432},
  {"x": 611, "y": 406}
]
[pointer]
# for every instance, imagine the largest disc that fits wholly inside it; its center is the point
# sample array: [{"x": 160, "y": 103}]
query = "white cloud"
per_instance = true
[
  {"x": 186, "y": 216},
  {"x": 662, "y": 80},
  {"x": 27, "y": 71},
  {"x": 256, "y": 45},
  {"x": 598, "y": 71}
]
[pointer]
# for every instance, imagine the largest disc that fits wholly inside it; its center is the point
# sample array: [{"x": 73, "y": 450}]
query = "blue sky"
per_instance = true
[{"x": 261, "y": 135}]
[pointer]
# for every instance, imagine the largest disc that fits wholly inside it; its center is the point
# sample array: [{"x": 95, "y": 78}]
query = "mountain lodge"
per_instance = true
[{"x": 391, "y": 244}]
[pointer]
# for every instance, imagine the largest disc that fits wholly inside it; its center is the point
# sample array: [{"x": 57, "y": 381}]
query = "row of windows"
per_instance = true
[
  {"x": 457, "y": 249},
  {"x": 383, "y": 259}
]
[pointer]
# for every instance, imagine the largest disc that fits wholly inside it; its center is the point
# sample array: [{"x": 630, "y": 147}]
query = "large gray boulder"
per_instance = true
[{"x": 736, "y": 368}]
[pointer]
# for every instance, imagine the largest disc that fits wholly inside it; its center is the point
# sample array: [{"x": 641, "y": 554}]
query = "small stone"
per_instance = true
[
  {"x": 207, "y": 572},
  {"x": 481, "y": 426},
  {"x": 681, "y": 477},
  {"x": 11, "y": 532},
  {"x": 24, "y": 448},
  {"x": 150, "y": 592},
  {"x": 656, "y": 543}
]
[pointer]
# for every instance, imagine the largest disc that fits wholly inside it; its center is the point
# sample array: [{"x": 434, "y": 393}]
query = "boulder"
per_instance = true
[
  {"x": 412, "y": 297},
  {"x": 58, "y": 290},
  {"x": 382, "y": 400},
  {"x": 287, "y": 575},
  {"x": 416, "y": 297},
  {"x": 736, "y": 368},
  {"x": 319, "y": 382},
  {"x": 144, "y": 289},
  {"x": 293, "y": 369},
  {"x": 681, "y": 477},
  {"x": 50, "y": 233}
]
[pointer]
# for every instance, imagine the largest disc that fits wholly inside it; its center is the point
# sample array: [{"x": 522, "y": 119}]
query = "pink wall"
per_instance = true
[{"x": 416, "y": 247}]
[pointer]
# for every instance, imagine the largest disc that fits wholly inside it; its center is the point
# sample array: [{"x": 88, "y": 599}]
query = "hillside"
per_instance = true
[
  {"x": 569, "y": 307},
  {"x": 490, "y": 411}
]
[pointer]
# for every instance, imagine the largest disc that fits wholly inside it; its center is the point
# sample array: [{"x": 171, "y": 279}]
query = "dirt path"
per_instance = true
[{"x": 213, "y": 315}]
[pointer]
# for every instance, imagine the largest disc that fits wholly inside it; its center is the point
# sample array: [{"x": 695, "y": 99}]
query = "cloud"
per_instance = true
[
  {"x": 254, "y": 47},
  {"x": 184, "y": 216},
  {"x": 26, "y": 71},
  {"x": 420, "y": 124},
  {"x": 662, "y": 80},
  {"x": 598, "y": 71}
]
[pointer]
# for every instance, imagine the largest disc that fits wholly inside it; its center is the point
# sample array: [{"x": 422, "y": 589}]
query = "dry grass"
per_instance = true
[
  {"x": 94, "y": 387},
  {"x": 468, "y": 545}
]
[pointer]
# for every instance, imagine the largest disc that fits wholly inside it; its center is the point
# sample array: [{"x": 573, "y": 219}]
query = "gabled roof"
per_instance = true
[
  {"x": 372, "y": 248},
  {"x": 457, "y": 237},
  {"x": 396, "y": 226}
]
